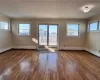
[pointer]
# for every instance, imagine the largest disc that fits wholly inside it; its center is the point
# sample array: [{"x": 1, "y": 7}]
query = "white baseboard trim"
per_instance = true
[
  {"x": 93, "y": 52},
  {"x": 5, "y": 49},
  {"x": 24, "y": 47},
  {"x": 71, "y": 48},
  {"x": 62, "y": 48}
]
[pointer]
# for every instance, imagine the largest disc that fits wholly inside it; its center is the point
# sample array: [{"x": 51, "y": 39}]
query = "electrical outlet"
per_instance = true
[{"x": 64, "y": 45}]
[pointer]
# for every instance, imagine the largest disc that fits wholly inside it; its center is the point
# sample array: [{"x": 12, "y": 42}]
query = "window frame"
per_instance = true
[
  {"x": 78, "y": 30},
  {"x": 97, "y": 26},
  {"x": 29, "y": 29},
  {"x": 8, "y": 26}
]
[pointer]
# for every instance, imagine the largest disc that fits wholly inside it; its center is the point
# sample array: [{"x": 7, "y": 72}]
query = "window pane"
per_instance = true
[
  {"x": 24, "y": 26},
  {"x": 72, "y": 29},
  {"x": 24, "y": 29},
  {"x": 93, "y": 26},
  {"x": 24, "y": 32},
  {"x": 4, "y": 25}
]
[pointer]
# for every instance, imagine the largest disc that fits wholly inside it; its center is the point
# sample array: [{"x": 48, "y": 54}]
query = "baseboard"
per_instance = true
[
  {"x": 5, "y": 49},
  {"x": 17, "y": 47},
  {"x": 71, "y": 48},
  {"x": 93, "y": 52},
  {"x": 24, "y": 47},
  {"x": 62, "y": 48}
]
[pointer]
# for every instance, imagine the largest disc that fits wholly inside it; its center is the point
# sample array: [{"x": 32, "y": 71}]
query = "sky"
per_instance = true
[
  {"x": 24, "y": 26},
  {"x": 52, "y": 28},
  {"x": 93, "y": 26},
  {"x": 72, "y": 26}
]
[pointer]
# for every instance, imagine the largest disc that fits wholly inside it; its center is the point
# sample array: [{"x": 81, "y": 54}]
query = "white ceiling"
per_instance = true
[{"x": 48, "y": 8}]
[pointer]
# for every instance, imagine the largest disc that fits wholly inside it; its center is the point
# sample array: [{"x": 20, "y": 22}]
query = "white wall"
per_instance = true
[
  {"x": 93, "y": 38},
  {"x": 5, "y": 36},
  {"x": 64, "y": 41}
]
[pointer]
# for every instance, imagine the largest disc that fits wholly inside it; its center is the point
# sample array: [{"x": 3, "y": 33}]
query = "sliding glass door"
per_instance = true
[{"x": 47, "y": 35}]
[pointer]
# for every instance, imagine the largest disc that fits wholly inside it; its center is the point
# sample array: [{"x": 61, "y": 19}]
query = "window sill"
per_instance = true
[
  {"x": 74, "y": 36},
  {"x": 24, "y": 35},
  {"x": 93, "y": 31}
]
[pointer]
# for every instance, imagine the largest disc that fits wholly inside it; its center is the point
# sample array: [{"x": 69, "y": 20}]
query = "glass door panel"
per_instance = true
[
  {"x": 52, "y": 35},
  {"x": 43, "y": 35}
]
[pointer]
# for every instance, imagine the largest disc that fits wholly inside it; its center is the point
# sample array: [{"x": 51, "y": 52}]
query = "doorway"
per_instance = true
[{"x": 48, "y": 35}]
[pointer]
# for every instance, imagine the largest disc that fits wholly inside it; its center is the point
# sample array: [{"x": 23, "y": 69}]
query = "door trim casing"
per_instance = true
[{"x": 47, "y": 33}]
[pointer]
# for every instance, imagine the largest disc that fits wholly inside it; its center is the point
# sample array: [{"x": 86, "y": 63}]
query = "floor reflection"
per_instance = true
[
  {"x": 52, "y": 61},
  {"x": 25, "y": 66},
  {"x": 6, "y": 74},
  {"x": 48, "y": 61},
  {"x": 70, "y": 67},
  {"x": 42, "y": 61}
]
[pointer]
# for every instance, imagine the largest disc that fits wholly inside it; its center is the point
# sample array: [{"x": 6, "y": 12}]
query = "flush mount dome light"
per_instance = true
[{"x": 86, "y": 9}]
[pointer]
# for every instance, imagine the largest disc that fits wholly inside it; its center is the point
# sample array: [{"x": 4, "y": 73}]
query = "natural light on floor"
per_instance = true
[{"x": 45, "y": 46}]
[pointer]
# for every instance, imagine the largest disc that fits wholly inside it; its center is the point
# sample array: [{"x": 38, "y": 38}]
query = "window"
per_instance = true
[
  {"x": 24, "y": 29},
  {"x": 99, "y": 25},
  {"x": 72, "y": 30},
  {"x": 4, "y": 25},
  {"x": 93, "y": 26}
]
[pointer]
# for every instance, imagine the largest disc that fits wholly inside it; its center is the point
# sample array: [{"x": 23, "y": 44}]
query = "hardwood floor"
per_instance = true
[{"x": 44, "y": 65}]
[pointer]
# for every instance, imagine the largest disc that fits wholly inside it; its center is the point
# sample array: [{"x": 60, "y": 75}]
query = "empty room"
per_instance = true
[{"x": 49, "y": 39}]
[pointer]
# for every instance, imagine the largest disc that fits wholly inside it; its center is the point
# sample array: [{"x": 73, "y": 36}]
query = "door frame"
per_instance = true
[{"x": 48, "y": 33}]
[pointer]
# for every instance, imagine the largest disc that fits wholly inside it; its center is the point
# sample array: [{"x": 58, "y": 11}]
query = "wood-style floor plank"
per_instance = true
[{"x": 46, "y": 65}]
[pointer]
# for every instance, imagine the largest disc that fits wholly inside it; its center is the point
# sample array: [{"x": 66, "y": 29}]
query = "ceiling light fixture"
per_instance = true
[{"x": 86, "y": 9}]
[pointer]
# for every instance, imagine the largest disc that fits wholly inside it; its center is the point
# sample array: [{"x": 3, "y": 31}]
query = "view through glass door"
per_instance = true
[{"x": 48, "y": 36}]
